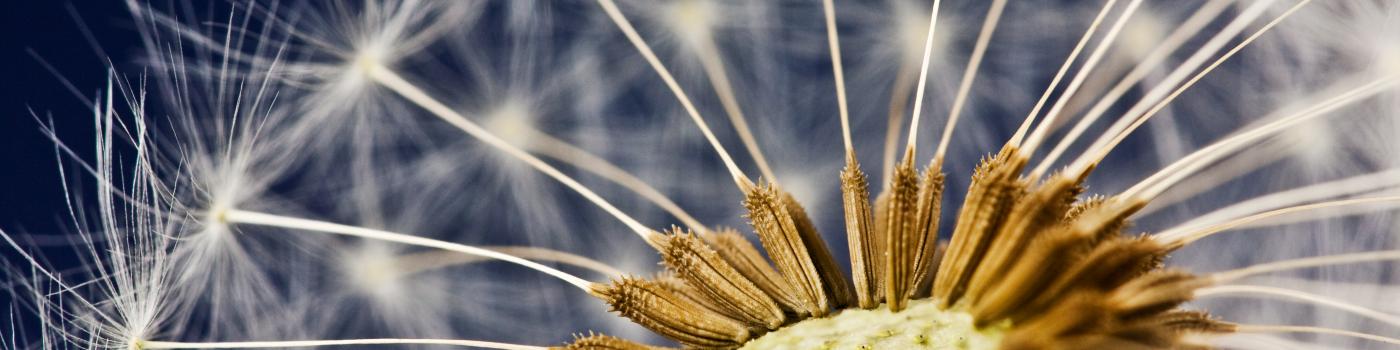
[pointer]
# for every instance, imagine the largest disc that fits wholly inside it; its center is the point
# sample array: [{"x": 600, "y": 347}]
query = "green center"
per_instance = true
[{"x": 921, "y": 325}]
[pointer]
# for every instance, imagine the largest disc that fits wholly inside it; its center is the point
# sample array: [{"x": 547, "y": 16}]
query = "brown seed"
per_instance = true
[
  {"x": 901, "y": 229},
  {"x": 1025, "y": 279},
  {"x": 705, "y": 271},
  {"x": 745, "y": 258},
  {"x": 780, "y": 237},
  {"x": 927, "y": 251},
  {"x": 1105, "y": 267},
  {"x": 993, "y": 190},
  {"x": 1191, "y": 321},
  {"x": 603, "y": 342},
  {"x": 654, "y": 307},
  {"x": 669, "y": 281},
  {"x": 882, "y": 216},
  {"x": 838, "y": 287},
  {"x": 860, "y": 234},
  {"x": 1152, "y": 293},
  {"x": 1041, "y": 210}
]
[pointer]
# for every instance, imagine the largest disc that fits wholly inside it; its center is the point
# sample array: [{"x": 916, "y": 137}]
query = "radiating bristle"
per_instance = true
[
  {"x": 993, "y": 191},
  {"x": 703, "y": 269},
  {"x": 772, "y": 220},
  {"x": 744, "y": 257},
  {"x": 860, "y": 234},
  {"x": 656, "y": 308},
  {"x": 594, "y": 341}
]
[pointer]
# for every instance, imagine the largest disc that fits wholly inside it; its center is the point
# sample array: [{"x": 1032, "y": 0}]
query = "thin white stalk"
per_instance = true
[
  {"x": 1184, "y": 236},
  {"x": 264, "y": 219},
  {"x": 713, "y": 65},
  {"x": 899, "y": 99},
  {"x": 387, "y": 78},
  {"x": 984, "y": 39},
  {"x": 1319, "y": 300},
  {"x": 1181, "y": 73},
  {"x": 1097, "y": 153},
  {"x": 1203, "y": 16},
  {"x": 1064, "y": 68},
  {"x": 1241, "y": 163},
  {"x": 1364, "y": 184},
  {"x": 564, "y": 152},
  {"x": 434, "y": 259},
  {"x": 923, "y": 78},
  {"x": 834, "y": 45},
  {"x": 1262, "y": 328},
  {"x": 1162, "y": 180},
  {"x": 1303, "y": 263},
  {"x": 623, "y": 24},
  {"x": 1042, "y": 130},
  {"x": 150, "y": 344}
]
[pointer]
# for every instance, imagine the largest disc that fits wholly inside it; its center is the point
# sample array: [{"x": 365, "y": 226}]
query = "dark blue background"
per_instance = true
[{"x": 32, "y": 199}]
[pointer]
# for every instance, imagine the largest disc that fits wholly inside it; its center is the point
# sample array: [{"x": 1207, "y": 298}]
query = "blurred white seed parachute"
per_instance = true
[{"x": 424, "y": 172}]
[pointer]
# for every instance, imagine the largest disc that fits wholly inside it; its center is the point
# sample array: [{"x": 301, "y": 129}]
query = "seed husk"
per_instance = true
[
  {"x": 745, "y": 258},
  {"x": 778, "y": 232},
  {"x": 655, "y": 307},
  {"x": 860, "y": 234},
  {"x": 704, "y": 270}
]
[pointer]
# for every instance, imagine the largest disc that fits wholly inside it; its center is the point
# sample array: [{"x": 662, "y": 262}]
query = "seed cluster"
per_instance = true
[{"x": 1028, "y": 253}]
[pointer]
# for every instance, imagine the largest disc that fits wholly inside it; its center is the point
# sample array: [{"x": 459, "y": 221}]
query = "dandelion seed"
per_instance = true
[{"x": 1039, "y": 257}]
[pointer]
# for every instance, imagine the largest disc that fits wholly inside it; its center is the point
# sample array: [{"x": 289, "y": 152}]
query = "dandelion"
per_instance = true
[{"x": 1241, "y": 219}]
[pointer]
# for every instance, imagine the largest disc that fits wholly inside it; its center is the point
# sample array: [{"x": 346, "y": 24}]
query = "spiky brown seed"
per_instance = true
[
  {"x": 900, "y": 229},
  {"x": 837, "y": 286},
  {"x": 927, "y": 251},
  {"x": 604, "y": 342},
  {"x": 993, "y": 191},
  {"x": 703, "y": 269},
  {"x": 656, "y": 308},
  {"x": 744, "y": 257},
  {"x": 778, "y": 232},
  {"x": 1039, "y": 212},
  {"x": 860, "y": 234}
]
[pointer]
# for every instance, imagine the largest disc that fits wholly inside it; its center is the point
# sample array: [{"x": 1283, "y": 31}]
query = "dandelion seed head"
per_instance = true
[
  {"x": 373, "y": 269},
  {"x": 908, "y": 30},
  {"x": 692, "y": 21},
  {"x": 513, "y": 121},
  {"x": 348, "y": 149}
]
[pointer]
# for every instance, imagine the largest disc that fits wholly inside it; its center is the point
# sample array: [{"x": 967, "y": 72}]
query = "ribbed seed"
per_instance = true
[
  {"x": 745, "y": 258},
  {"x": 1039, "y": 211},
  {"x": 779, "y": 235},
  {"x": 1152, "y": 293},
  {"x": 703, "y": 269},
  {"x": 671, "y": 283},
  {"x": 603, "y": 342},
  {"x": 1048, "y": 256},
  {"x": 927, "y": 250},
  {"x": 882, "y": 216},
  {"x": 838, "y": 287},
  {"x": 994, "y": 188},
  {"x": 860, "y": 233},
  {"x": 1192, "y": 321},
  {"x": 900, "y": 231},
  {"x": 1107, "y": 266},
  {"x": 663, "y": 312}
]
